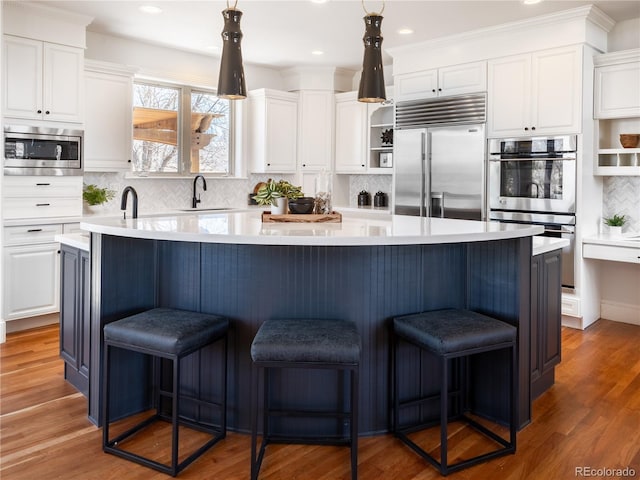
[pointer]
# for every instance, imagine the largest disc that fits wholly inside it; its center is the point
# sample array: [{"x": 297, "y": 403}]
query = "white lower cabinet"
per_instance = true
[{"x": 31, "y": 285}]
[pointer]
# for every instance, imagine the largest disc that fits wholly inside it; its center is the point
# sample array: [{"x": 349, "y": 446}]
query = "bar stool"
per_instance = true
[
  {"x": 166, "y": 334},
  {"x": 448, "y": 335},
  {"x": 295, "y": 343}
]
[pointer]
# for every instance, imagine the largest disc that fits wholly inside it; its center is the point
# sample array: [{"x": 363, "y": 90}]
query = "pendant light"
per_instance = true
[
  {"x": 372, "y": 79},
  {"x": 231, "y": 84}
]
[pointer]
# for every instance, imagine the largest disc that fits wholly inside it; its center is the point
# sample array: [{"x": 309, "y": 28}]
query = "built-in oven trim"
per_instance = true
[{"x": 529, "y": 217}]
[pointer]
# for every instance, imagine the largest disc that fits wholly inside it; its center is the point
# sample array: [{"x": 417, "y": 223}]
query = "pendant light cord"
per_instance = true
[
  {"x": 234, "y": 5},
  {"x": 367, "y": 11}
]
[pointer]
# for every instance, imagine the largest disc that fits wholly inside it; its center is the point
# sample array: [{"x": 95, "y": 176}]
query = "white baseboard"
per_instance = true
[
  {"x": 32, "y": 322},
  {"x": 620, "y": 312},
  {"x": 572, "y": 322}
]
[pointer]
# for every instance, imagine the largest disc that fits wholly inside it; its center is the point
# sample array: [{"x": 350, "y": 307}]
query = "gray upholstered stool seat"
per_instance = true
[
  {"x": 164, "y": 333},
  {"x": 449, "y": 335},
  {"x": 167, "y": 330},
  {"x": 294, "y": 340},
  {"x": 450, "y": 331},
  {"x": 308, "y": 343}
]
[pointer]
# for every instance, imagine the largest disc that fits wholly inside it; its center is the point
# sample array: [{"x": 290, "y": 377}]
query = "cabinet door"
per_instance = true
[
  {"x": 509, "y": 96},
  {"x": 62, "y": 83},
  {"x": 31, "y": 280},
  {"x": 617, "y": 91},
  {"x": 22, "y": 90},
  {"x": 107, "y": 126},
  {"x": 84, "y": 313},
  {"x": 69, "y": 267},
  {"x": 552, "y": 310},
  {"x": 556, "y": 91},
  {"x": 536, "y": 300},
  {"x": 315, "y": 130},
  {"x": 280, "y": 135},
  {"x": 351, "y": 142},
  {"x": 416, "y": 86},
  {"x": 461, "y": 79}
]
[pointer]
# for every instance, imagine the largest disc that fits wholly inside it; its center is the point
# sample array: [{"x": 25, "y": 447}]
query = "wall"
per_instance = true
[
  {"x": 624, "y": 35},
  {"x": 164, "y": 63}
]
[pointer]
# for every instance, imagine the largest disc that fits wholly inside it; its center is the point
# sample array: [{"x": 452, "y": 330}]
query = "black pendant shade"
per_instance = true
[
  {"x": 231, "y": 84},
  {"x": 372, "y": 79}
]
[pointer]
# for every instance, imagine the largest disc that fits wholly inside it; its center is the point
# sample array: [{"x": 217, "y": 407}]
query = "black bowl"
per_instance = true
[{"x": 302, "y": 205}]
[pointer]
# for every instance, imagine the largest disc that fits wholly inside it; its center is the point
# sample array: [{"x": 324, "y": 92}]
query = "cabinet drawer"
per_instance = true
[
  {"x": 42, "y": 187},
  {"x": 31, "y": 234},
  {"x": 41, "y": 207},
  {"x": 612, "y": 253}
]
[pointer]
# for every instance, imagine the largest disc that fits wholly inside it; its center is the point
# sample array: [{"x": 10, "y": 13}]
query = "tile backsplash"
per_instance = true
[
  {"x": 159, "y": 195},
  {"x": 622, "y": 197}
]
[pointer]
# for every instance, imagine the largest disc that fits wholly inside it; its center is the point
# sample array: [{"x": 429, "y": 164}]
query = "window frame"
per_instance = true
[{"x": 184, "y": 130}]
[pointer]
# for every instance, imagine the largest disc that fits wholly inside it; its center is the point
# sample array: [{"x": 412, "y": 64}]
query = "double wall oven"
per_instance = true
[{"x": 533, "y": 181}]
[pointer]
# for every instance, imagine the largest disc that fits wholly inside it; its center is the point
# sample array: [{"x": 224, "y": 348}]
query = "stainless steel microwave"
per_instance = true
[{"x": 42, "y": 151}]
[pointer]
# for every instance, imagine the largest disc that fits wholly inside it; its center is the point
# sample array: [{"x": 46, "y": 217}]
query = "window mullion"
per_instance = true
[{"x": 185, "y": 131}]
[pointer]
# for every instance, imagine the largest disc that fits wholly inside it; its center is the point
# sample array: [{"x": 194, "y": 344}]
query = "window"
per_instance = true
[{"x": 180, "y": 130}]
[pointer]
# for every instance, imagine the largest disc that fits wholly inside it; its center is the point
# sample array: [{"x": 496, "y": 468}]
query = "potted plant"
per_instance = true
[
  {"x": 615, "y": 224},
  {"x": 276, "y": 194},
  {"x": 95, "y": 196}
]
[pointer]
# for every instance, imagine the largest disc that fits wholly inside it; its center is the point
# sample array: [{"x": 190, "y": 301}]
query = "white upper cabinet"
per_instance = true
[
  {"x": 351, "y": 134},
  {"x": 445, "y": 81},
  {"x": 42, "y": 81},
  {"x": 315, "y": 137},
  {"x": 535, "y": 94},
  {"x": 107, "y": 134},
  {"x": 617, "y": 85},
  {"x": 272, "y": 132}
]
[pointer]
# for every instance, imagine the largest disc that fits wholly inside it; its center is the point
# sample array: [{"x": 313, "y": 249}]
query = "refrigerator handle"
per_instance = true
[
  {"x": 423, "y": 192},
  {"x": 426, "y": 174}
]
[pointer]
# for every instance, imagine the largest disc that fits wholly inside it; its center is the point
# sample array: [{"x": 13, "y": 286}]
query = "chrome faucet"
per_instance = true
[
  {"x": 123, "y": 201},
  {"x": 196, "y": 200}
]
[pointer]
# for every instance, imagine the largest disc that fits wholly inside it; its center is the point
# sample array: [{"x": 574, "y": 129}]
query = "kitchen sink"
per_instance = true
[{"x": 205, "y": 209}]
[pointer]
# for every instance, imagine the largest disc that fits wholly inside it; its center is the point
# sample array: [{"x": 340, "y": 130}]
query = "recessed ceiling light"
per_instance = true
[
  {"x": 531, "y": 2},
  {"x": 317, "y": 52},
  {"x": 151, "y": 9},
  {"x": 319, "y": 1},
  {"x": 405, "y": 31}
]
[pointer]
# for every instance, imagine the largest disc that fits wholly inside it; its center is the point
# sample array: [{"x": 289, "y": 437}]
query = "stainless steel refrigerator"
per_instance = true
[{"x": 440, "y": 171}]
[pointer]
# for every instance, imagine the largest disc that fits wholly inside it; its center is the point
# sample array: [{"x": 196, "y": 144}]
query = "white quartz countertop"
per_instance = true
[
  {"x": 626, "y": 240},
  {"x": 77, "y": 240},
  {"x": 355, "y": 229},
  {"x": 548, "y": 244}
]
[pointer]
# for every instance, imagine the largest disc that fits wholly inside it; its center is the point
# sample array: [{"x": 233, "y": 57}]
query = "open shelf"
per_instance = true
[{"x": 612, "y": 159}]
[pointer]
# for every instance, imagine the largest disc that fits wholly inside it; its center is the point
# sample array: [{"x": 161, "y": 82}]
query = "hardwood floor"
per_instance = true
[{"x": 590, "y": 419}]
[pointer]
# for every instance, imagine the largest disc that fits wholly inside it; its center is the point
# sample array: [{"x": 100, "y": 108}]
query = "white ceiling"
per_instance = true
[{"x": 284, "y": 33}]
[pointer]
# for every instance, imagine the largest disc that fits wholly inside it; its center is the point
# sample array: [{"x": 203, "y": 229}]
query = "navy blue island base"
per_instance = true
[{"x": 365, "y": 284}]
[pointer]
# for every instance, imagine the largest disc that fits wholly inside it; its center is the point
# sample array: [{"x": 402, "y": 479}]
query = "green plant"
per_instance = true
[
  {"x": 267, "y": 193},
  {"x": 615, "y": 221},
  {"x": 94, "y": 195}
]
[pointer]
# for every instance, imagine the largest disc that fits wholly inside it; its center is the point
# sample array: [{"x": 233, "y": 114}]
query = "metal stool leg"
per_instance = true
[
  {"x": 105, "y": 395},
  {"x": 354, "y": 423},
  {"x": 444, "y": 414}
]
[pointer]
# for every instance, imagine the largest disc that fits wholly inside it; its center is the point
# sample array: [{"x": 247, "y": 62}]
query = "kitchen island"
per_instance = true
[{"x": 368, "y": 269}]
